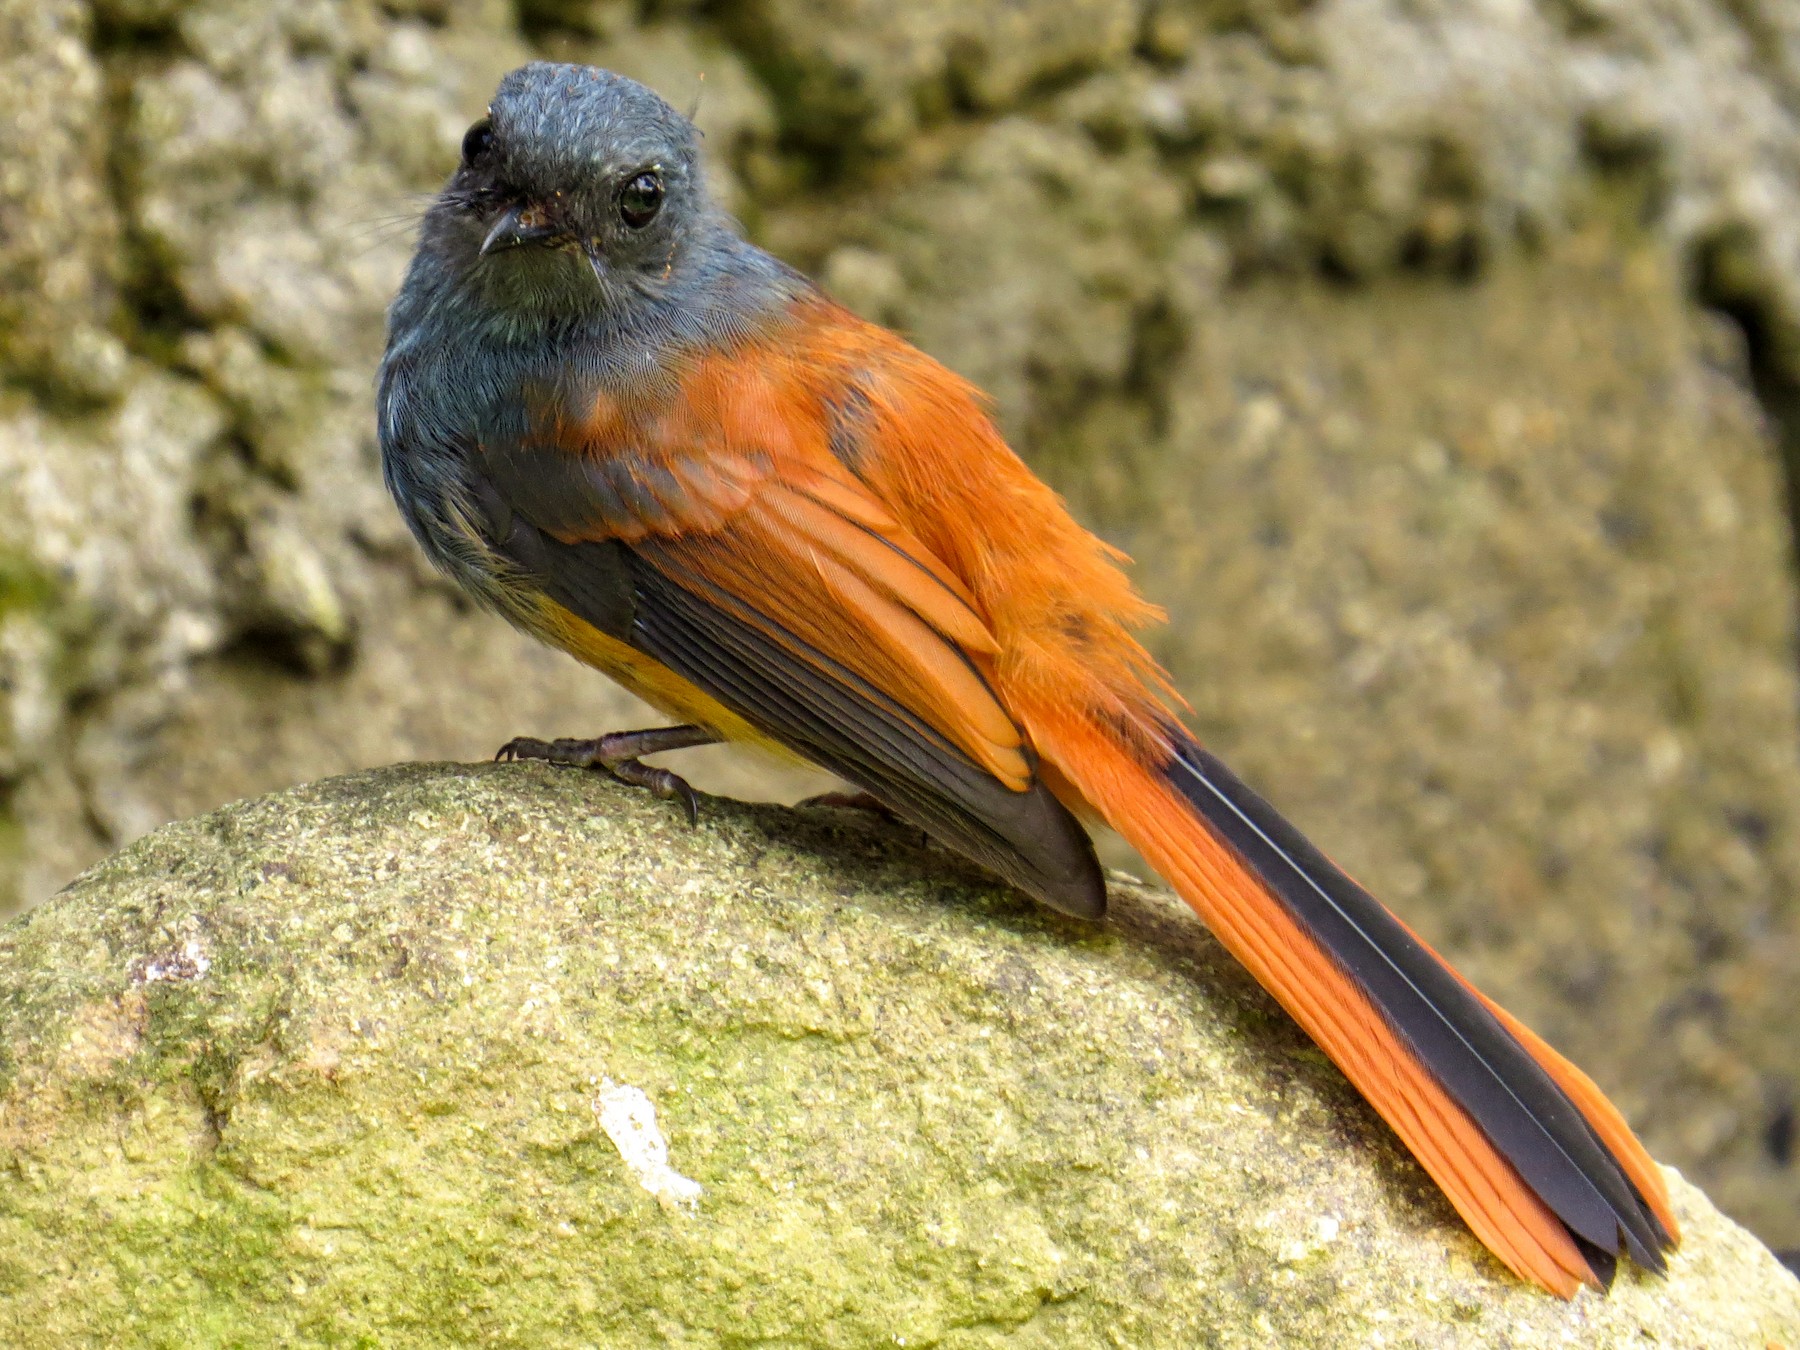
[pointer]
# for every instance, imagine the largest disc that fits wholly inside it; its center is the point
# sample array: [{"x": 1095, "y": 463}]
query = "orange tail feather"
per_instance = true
[
  {"x": 1592, "y": 1188},
  {"x": 1645, "y": 1175}
]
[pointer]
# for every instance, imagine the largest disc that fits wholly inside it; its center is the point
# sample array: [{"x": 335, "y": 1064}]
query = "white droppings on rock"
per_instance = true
[
  {"x": 187, "y": 962},
  {"x": 629, "y": 1118}
]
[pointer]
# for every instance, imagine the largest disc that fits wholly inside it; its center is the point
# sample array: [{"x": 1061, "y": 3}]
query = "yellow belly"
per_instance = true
[{"x": 648, "y": 678}]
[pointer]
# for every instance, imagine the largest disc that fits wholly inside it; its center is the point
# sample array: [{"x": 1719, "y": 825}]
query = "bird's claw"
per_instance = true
[
  {"x": 671, "y": 787},
  {"x": 566, "y": 753},
  {"x": 618, "y": 755}
]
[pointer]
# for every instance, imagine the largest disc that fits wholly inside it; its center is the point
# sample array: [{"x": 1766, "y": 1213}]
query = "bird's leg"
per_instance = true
[
  {"x": 867, "y": 802},
  {"x": 618, "y": 754},
  {"x": 851, "y": 801}
]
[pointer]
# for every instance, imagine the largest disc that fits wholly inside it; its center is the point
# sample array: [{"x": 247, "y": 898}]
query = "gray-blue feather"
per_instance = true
[
  {"x": 574, "y": 254},
  {"x": 596, "y": 305}
]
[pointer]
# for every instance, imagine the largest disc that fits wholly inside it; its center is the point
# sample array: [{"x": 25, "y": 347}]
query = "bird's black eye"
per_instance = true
[
  {"x": 640, "y": 199},
  {"x": 477, "y": 141}
]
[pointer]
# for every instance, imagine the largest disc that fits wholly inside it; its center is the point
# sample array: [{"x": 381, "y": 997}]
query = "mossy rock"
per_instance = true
[{"x": 508, "y": 1056}]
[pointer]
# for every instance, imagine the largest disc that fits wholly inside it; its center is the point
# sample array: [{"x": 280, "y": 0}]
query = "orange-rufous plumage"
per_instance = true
[{"x": 648, "y": 442}]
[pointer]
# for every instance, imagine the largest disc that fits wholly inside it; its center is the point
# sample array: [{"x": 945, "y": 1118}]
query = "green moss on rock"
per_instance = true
[{"x": 327, "y": 1067}]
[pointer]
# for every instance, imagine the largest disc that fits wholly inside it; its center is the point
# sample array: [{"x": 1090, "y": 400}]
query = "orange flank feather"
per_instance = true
[
  {"x": 650, "y": 680},
  {"x": 821, "y": 530}
]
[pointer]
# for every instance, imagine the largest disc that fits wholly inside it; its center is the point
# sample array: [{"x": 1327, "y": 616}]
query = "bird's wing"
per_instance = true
[{"x": 726, "y": 543}]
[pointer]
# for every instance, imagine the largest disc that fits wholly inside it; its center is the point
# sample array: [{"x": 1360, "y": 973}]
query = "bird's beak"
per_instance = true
[{"x": 515, "y": 226}]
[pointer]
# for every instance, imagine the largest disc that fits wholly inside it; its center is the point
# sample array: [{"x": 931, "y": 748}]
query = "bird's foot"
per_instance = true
[
  {"x": 865, "y": 801},
  {"x": 618, "y": 754},
  {"x": 851, "y": 801}
]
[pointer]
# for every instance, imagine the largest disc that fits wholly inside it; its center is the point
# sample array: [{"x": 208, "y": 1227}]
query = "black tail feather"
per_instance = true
[{"x": 1528, "y": 1118}]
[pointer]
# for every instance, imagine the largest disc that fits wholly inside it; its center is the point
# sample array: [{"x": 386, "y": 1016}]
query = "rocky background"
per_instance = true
[{"x": 1435, "y": 359}]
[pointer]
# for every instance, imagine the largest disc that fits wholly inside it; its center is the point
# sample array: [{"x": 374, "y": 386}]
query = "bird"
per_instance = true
[{"x": 635, "y": 435}]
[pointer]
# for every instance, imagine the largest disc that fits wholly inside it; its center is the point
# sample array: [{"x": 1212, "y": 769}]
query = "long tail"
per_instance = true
[{"x": 1539, "y": 1164}]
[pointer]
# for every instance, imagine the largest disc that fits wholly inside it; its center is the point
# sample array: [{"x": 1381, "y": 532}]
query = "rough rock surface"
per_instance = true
[
  {"x": 1386, "y": 333},
  {"x": 505, "y": 1056}
]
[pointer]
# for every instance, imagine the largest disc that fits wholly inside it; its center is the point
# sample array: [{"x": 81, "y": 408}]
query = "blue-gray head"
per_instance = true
[{"x": 579, "y": 191}]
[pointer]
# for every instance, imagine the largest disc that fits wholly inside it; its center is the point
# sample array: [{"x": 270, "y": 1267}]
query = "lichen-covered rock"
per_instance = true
[
  {"x": 59, "y": 227},
  {"x": 508, "y": 1056},
  {"x": 1377, "y": 331}
]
